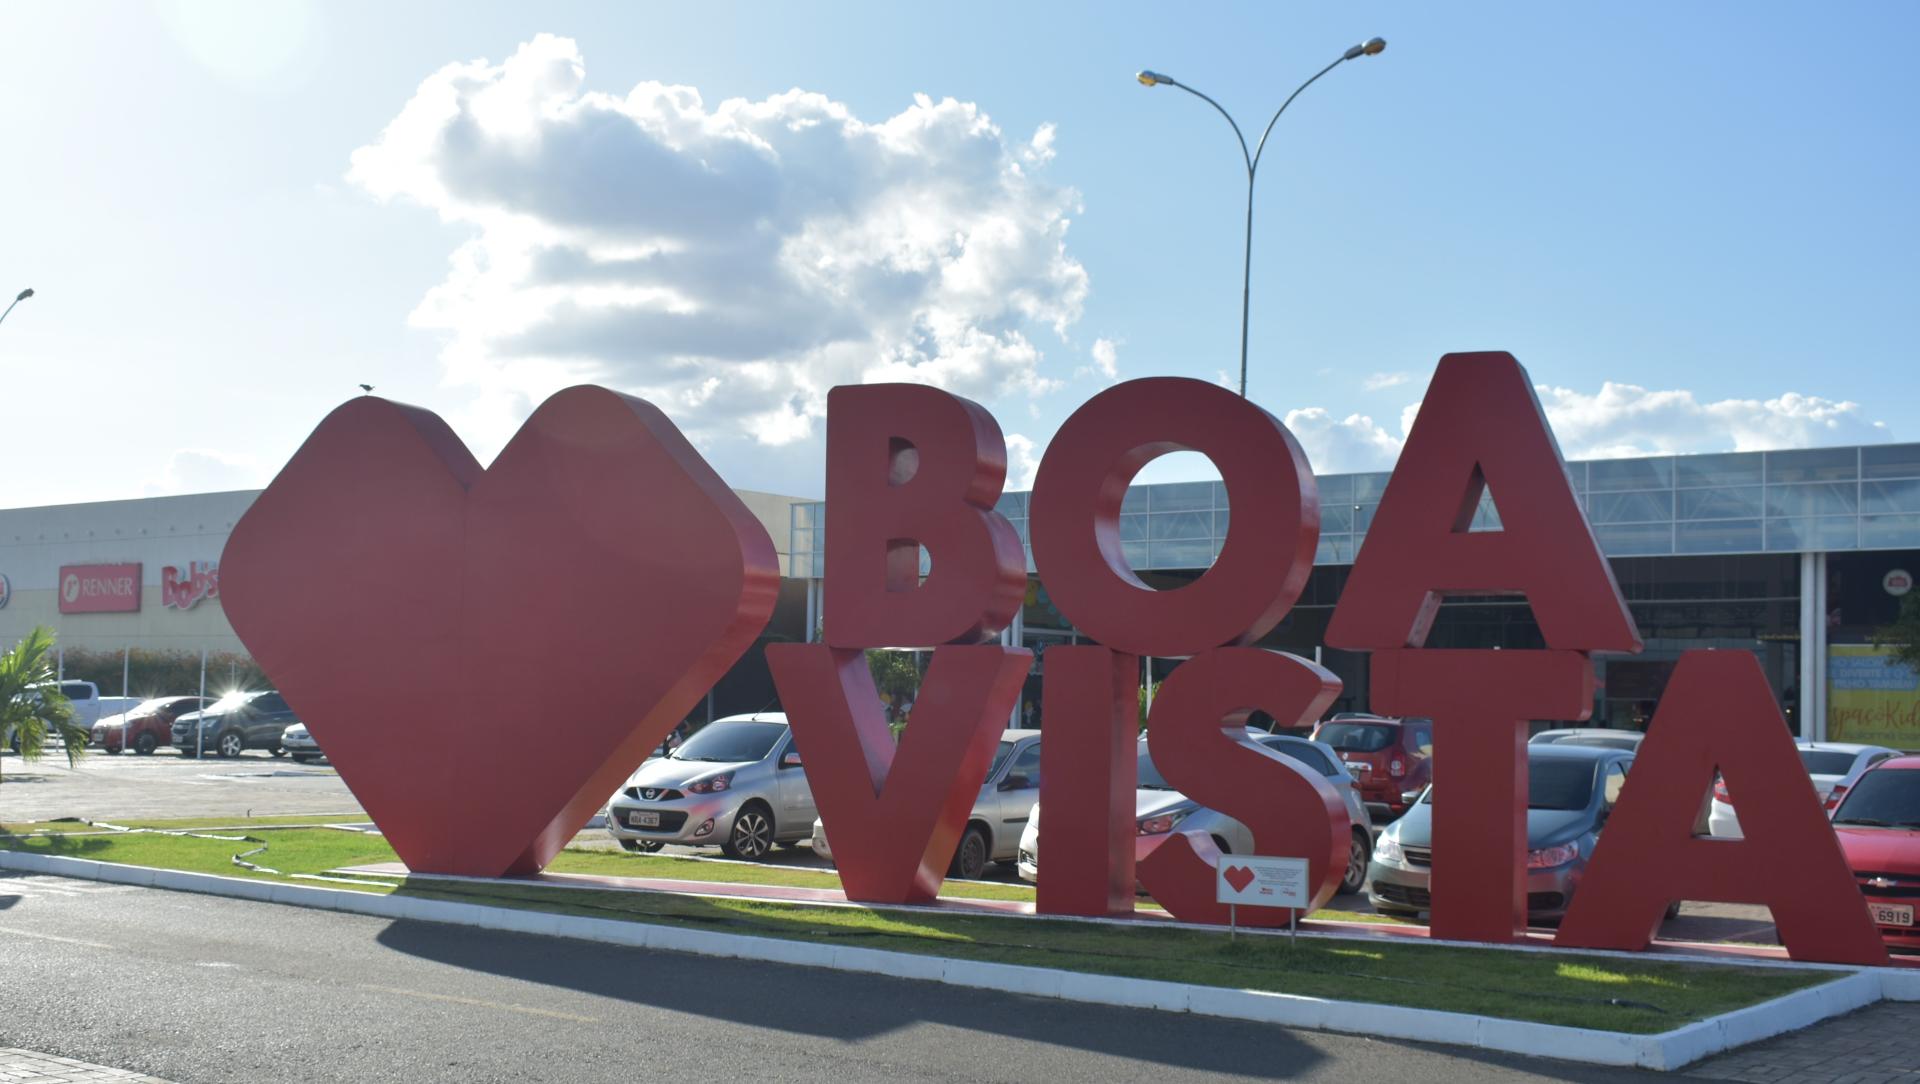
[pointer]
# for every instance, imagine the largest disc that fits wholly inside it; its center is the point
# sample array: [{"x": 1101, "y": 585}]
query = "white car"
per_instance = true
[
  {"x": 1833, "y": 767},
  {"x": 1159, "y": 810},
  {"x": 999, "y": 813}
]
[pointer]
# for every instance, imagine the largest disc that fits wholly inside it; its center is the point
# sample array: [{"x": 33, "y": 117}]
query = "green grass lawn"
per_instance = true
[{"x": 1583, "y": 991}]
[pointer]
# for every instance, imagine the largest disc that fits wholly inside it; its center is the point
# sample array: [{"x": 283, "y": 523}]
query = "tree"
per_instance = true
[
  {"x": 1902, "y": 638},
  {"x": 1146, "y": 696},
  {"x": 31, "y": 707},
  {"x": 896, "y": 677}
]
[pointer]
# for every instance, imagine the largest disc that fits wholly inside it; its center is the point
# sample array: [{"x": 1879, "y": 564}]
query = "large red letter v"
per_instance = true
[{"x": 895, "y": 817}]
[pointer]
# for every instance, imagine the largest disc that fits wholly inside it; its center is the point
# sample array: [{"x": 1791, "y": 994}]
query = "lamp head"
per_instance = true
[
  {"x": 1152, "y": 78},
  {"x": 24, "y": 294},
  {"x": 1369, "y": 47}
]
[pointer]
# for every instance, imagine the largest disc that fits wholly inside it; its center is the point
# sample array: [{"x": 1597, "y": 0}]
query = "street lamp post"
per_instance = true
[
  {"x": 18, "y": 298},
  {"x": 1370, "y": 47}
]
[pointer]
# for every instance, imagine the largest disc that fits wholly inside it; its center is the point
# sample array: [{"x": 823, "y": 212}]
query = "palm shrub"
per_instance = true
[{"x": 32, "y": 711}]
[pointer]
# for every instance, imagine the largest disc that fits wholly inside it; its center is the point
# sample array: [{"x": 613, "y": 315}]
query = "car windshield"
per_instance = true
[
  {"x": 1150, "y": 777},
  {"x": 1356, "y": 737},
  {"x": 1000, "y": 756},
  {"x": 1559, "y": 784},
  {"x": 1552, "y": 784},
  {"x": 1882, "y": 799},
  {"x": 1826, "y": 761},
  {"x": 731, "y": 742}
]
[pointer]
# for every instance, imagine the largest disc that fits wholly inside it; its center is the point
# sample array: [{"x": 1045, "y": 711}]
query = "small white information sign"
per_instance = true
[{"x": 1251, "y": 881}]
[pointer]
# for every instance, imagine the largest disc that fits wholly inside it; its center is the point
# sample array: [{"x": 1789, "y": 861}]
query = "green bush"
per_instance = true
[{"x": 163, "y": 673}]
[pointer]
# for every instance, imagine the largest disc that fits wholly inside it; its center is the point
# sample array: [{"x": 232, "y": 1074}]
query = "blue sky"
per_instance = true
[{"x": 1695, "y": 224}]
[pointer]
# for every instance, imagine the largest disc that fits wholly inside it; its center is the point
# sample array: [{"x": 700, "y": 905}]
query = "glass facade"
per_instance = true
[{"x": 1804, "y": 499}]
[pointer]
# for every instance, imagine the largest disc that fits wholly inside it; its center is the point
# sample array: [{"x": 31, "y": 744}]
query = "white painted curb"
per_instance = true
[{"x": 1851, "y": 990}]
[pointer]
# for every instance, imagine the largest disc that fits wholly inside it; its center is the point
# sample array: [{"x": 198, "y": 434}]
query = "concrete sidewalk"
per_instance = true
[
  {"x": 28, "y": 1067},
  {"x": 1879, "y": 1044}
]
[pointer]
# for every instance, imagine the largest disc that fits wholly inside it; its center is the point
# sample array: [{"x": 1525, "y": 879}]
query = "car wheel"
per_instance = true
[
  {"x": 752, "y": 835},
  {"x": 145, "y": 744},
  {"x": 1673, "y": 910},
  {"x": 970, "y": 858},
  {"x": 303, "y": 758},
  {"x": 1359, "y": 852},
  {"x": 278, "y": 750},
  {"x": 640, "y": 846},
  {"x": 185, "y": 751},
  {"x": 110, "y": 752},
  {"x": 230, "y": 745},
  {"x": 1395, "y": 912}
]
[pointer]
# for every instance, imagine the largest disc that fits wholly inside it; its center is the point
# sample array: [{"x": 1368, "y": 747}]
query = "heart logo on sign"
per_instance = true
[
  {"x": 1239, "y": 877},
  {"x": 486, "y": 654}
]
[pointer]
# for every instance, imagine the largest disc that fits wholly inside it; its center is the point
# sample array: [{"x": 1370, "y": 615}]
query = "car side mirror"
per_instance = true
[
  {"x": 1016, "y": 781},
  {"x": 790, "y": 760}
]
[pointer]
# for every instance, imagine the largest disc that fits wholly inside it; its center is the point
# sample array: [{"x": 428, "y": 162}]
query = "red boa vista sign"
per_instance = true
[{"x": 652, "y": 580}]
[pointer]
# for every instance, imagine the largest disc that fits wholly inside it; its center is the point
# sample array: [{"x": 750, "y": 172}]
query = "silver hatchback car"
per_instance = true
[
  {"x": 1159, "y": 810},
  {"x": 736, "y": 784}
]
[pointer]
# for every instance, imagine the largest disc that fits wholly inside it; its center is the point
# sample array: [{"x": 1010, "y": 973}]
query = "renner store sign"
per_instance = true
[{"x": 99, "y": 589}]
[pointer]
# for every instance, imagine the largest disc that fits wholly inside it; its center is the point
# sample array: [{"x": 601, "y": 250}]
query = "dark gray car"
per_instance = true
[
  {"x": 235, "y": 723},
  {"x": 1571, "y": 790}
]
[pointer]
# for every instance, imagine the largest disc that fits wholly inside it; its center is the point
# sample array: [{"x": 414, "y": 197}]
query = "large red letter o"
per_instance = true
[{"x": 1075, "y": 518}]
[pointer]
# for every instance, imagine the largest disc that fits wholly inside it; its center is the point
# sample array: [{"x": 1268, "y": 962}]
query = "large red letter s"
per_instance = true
[
  {"x": 1197, "y": 735},
  {"x": 1718, "y": 712}
]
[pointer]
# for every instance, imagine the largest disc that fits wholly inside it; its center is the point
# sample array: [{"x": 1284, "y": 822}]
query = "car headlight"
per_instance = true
[
  {"x": 712, "y": 784},
  {"x": 1160, "y": 823},
  {"x": 1388, "y": 850},
  {"x": 1549, "y": 857}
]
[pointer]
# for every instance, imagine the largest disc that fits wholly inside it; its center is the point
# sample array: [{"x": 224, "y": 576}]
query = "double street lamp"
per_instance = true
[
  {"x": 18, "y": 298},
  {"x": 1370, "y": 47}
]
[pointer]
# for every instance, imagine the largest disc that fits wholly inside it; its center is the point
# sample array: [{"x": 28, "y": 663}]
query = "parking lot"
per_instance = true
[{"x": 166, "y": 785}]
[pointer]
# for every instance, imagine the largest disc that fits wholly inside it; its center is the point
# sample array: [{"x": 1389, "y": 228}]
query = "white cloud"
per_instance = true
[
  {"x": 1338, "y": 445},
  {"x": 1106, "y": 361},
  {"x": 729, "y": 263},
  {"x": 1383, "y": 381},
  {"x": 1617, "y": 421},
  {"x": 202, "y": 470},
  {"x": 1625, "y": 419},
  {"x": 1023, "y": 462}
]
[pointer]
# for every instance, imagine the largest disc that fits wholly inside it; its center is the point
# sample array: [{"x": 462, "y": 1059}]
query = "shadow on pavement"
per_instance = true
[{"x": 852, "y": 1007}]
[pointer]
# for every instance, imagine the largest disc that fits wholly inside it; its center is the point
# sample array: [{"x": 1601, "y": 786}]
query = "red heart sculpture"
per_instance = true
[
  {"x": 1239, "y": 877},
  {"x": 486, "y": 654}
]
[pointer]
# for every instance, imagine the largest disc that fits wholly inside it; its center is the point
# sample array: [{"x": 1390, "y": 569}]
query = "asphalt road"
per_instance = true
[{"x": 197, "y": 988}]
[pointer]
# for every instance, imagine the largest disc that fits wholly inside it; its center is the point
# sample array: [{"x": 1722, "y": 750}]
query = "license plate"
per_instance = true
[
  {"x": 643, "y": 819},
  {"x": 1891, "y": 914},
  {"x": 1358, "y": 766}
]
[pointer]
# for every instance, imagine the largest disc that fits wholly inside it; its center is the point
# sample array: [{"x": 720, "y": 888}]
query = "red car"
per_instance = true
[
  {"x": 1878, "y": 823},
  {"x": 148, "y": 726},
  {"x": 1390, "y": 759}
]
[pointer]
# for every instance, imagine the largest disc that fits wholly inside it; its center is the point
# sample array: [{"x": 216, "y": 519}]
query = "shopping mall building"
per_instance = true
[{"x": 1796, "y": 556}]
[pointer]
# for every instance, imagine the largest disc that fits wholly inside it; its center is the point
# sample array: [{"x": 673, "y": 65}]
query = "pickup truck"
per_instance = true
[{"x": 89, "y": 707}]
